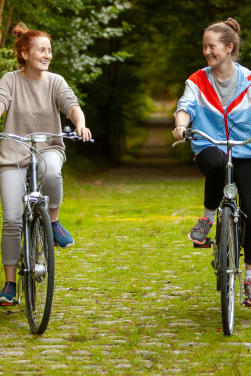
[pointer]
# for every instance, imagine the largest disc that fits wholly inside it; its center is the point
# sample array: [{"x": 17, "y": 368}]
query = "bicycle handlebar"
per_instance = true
[
  {"x": 43, "y": 137},
  {"x": 188, "y": 135}
]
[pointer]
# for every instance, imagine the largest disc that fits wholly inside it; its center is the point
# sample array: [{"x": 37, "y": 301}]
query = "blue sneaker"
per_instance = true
[
  {"x": 62, "y": 237},
  {"x": 8, "y": 293}
]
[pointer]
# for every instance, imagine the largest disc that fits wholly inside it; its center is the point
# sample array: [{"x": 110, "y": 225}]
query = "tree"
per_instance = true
[
  {"x": 74, "y": 25},
  {"x": 84, "y": 35},
  {"x": 170, "y": 35}
]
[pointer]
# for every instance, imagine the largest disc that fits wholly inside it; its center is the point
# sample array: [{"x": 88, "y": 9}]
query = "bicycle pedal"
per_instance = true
[
  {"x": 7, "y": 304},
  {"x": 207, "y": 244},
  {"x": 247, "y": 302}
]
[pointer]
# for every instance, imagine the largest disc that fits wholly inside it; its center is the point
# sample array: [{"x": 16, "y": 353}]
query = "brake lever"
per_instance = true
[
  {"x": 178, "y": 142},
  {"x": 187, "y": 136}
]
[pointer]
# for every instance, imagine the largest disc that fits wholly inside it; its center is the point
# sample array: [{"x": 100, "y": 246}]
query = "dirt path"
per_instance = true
[{"x": 154, "y": 162}]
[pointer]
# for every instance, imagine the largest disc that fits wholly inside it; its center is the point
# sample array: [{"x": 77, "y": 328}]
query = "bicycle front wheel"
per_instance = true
[
  {"x": 39, "y": 283},
  {"x": 227, "y": 268}
]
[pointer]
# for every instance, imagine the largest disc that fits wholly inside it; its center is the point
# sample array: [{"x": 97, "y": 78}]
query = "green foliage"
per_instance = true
[
  {"x": 8, "y": 63},
  {"x": 75, "y": 26},
  {"x": 75, "y": 54},
  {"x": 8, "y": 60},
  {"x": 85, "y": 40},
  {"x": 170, "y": 38},
  {"x": 166, "y": 47},
  {"x": 158, "y": 43}
]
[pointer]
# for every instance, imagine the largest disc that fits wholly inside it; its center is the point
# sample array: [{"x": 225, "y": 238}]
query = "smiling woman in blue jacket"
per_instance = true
[{"x": 217, "y": 100}]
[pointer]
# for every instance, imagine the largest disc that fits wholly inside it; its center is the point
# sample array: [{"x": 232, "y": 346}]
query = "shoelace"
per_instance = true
[
  {"x": 6, "y": 288},
  {"x": 60, "y": 229}
]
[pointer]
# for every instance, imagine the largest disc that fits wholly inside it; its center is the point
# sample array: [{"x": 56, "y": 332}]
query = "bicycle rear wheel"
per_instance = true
[
  {"x": 39, "y": 283},
  {"x": 227, "y": 270}
]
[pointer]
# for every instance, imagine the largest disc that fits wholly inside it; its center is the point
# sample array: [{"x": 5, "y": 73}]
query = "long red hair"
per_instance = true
[{"x": 24, "y": 38}]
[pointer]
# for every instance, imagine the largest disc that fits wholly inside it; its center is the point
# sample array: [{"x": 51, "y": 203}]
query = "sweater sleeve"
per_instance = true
[
  {"x": 188, "y": 102},
  {"x": 65, "y": 96},
  {"x": 5, "y": 91}
]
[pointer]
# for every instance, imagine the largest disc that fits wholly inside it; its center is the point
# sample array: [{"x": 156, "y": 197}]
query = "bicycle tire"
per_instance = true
[
  {"x": 227, "y": 270},
  {"x": 39, "y": 283},
  {"x": 216, "y": 261}
]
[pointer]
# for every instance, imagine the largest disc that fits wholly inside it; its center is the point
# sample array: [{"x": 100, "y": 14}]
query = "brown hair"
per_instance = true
[
  {"x": 229, "y": 31},
  {"x": 24, "y": 37}
]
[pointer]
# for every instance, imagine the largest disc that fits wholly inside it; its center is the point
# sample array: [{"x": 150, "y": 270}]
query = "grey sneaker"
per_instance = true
[{"x": 200, "y": 231}]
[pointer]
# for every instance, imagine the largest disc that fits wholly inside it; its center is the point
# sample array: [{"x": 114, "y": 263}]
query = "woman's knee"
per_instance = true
[
  {"x": 53, "y": 174},
  {"x": 51, "y": 168},
  {"x": 211, "y": 161},
  {"x": 12, "y": 222}
]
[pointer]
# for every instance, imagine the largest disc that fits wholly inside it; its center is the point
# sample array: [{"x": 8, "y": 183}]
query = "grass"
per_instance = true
[{"x": 132, "y": 297}]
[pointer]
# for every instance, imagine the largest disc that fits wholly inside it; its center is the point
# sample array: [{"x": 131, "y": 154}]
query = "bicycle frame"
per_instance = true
[
  {"x": 32, "y": 195},
  {"x": 232, "y": 202},
  {"x": 36, "y": 261}
]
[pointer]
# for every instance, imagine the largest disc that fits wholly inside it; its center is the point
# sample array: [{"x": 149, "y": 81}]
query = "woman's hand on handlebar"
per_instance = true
[
  {"x": 84, "y": 132},
  {"x": 179, "y": 132}
]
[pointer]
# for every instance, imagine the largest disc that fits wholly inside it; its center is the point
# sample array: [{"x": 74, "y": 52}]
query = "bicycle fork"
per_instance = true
[
  {"x": 236, "y": 270},
  {"x": 25, "y": 260},
  {"x": 28, "y": 200}
]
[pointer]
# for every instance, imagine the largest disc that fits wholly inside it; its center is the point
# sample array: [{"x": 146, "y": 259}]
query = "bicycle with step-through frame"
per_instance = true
[
  {"x": 229, "y": 237},
  {"x": 36, "y": 262}
]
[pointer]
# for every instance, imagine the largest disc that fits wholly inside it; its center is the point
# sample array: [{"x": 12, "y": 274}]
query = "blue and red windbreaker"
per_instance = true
[{"x": 202, "y": 103}]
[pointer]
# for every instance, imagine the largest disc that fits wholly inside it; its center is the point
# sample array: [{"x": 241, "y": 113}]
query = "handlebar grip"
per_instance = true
[
  {"x": 187, "y": 135},
  {"x": 75, "y": 136}
]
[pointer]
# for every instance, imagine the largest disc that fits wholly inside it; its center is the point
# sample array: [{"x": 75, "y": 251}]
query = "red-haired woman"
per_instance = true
[
  {"x": 217, "y": 100},
  {"x": 32, "y": 98}
]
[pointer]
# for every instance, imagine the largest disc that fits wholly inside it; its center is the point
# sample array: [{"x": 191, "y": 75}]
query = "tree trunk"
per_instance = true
[
  {"x": 7, "y": 26},
  {"x": 1, "y": 19}
]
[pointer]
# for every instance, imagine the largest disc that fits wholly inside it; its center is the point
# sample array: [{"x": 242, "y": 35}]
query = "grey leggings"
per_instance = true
[{"x": 12, "y": 190}]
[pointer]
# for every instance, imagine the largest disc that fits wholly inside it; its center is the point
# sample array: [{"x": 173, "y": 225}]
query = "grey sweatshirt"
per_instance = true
[{"x": 32, "y": 106}]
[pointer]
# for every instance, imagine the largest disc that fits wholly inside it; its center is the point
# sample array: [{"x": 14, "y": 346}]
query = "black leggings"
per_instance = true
[{"x": 211, "y": 162}]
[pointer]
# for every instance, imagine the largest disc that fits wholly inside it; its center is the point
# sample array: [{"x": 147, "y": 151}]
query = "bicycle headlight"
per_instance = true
[
  {"x": 230, "y": 191},
  {"x": 38, "y": 138}
]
